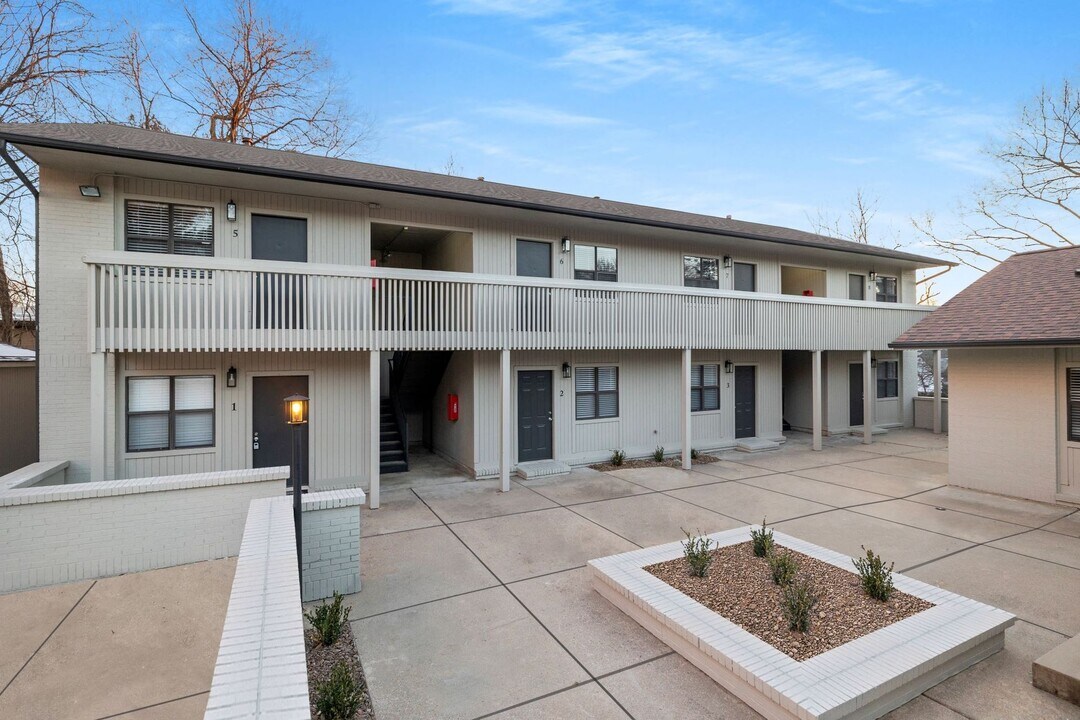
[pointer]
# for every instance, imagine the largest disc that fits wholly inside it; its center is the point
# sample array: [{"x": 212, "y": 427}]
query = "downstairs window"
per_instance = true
[{"x": 170, "y": 413}]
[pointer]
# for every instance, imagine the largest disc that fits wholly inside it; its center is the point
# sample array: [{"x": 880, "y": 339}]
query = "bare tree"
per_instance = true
[
  {"x": 251, "y": 82},
  {"x": 859, "y": 225},
  {"x": 453, "y": 167},
  {"x": 1030, "y": 205},
  {"x": 142, "y": 81}
]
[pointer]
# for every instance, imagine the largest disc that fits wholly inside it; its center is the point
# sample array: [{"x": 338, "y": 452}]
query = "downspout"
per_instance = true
[{"x": 10, "y": 162}]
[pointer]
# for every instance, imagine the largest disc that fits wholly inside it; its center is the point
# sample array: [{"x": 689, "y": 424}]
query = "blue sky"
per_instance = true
[{"x": 769, "y": 111}]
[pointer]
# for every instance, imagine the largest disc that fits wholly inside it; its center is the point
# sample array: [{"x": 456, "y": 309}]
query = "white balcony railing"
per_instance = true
[{"x": 143, "y": 302}]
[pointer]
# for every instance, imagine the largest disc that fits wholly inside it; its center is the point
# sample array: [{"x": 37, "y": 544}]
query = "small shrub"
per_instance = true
[
  {"x": 763, "y": 540},
  {"x": 338, "y": 698},
  {"x": 698, "y": 551},
  {"x": 328, "y": 619},
  {"x": 783, "y": 567},
  {"x": 658, "y": 454},
  {"x": 694, "y": 454},
  {"x": 876, "y": 578},
  {"x": 618, "y": 457},
  {"x": 798, "y": 601}
]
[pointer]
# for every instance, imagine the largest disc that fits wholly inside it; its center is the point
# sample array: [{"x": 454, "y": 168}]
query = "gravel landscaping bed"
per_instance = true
[
  {"x": 321, "y": 659},
  {"x": 739, "y": 587},
  {"x": 645, "y": 463}
]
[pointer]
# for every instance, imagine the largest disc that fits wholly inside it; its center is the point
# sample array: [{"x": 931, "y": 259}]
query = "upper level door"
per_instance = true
[
  {"x": 279, "y": 238},
  {"x": 279, "y": 297},
  {"x": 533, "y": 258},
  {"x": 534, "y": 304}
]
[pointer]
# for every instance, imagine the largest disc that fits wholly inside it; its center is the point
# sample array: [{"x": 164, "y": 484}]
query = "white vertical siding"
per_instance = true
[{"x": 455, "y": 439}]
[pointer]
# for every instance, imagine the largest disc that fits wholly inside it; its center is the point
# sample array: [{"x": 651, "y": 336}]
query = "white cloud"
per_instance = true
[
  {"x": 531, "y": 114},
  {"x": 514, "y": 8}
]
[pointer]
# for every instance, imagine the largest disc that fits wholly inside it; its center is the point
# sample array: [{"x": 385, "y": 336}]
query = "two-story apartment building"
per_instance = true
[{"x": 187, "y": 286}]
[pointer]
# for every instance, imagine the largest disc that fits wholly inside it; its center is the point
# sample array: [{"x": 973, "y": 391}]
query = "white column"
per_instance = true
[
  {"x": 505, "y": 436},
  {"x": 815, "y": 383},
  {"x": 687, "y": 427},
  {"x": 937, "y": 391},
  {"x": 374, "y": 426},
  {"x": 867, "y": 399},
  {"x": 97, "y": 416}
]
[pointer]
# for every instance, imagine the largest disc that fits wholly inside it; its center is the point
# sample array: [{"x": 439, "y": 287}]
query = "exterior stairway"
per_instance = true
[{"x": 391, "y": 447}]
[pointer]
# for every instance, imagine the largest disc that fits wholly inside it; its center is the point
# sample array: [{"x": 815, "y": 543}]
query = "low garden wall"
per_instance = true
[
  {"x": 924, "y": 413},
  {"x": 331, "y": 535},
  {"x": 60, "y": 533}
]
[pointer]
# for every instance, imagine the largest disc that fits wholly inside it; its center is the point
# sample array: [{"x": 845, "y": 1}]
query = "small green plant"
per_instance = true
[
  {"x": 658, "y": 454},
  {"x": 698, "y": 551},
  {"x": 618, "y": 457},
  {"x": 763, "y": 540},
  {"x": 328, "y": 619},
  {"x": 876, "y": 578},
  {"x": 339, "y": 697},
  {"x": 694, "y": 454},
  {"x": 798, "y": 601},
  {"x": 783, "y": 567}
]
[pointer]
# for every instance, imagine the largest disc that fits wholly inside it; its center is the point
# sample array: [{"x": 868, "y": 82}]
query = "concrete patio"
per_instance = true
[{"x": 476, "y": 603}]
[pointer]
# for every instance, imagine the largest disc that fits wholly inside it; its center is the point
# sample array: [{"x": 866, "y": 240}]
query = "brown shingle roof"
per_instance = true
[
  {"x": 123, "y": 141},
  {"x": 1030, "y": 299}
]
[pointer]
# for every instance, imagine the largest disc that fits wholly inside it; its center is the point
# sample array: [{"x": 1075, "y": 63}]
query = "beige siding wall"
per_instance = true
[
  {"x": 888, "y": 412},
  {"x": 338, "y": 423},
  {"x": 18, "y": 416},
  {"x": 1003, "y": 432},
  {"x": 454, "y": 440}
]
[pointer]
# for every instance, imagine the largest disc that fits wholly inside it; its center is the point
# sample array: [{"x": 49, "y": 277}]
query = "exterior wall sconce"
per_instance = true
[
  {"x": 230, "y": 211},
  {"x": 92, "y": 191},
  {"x": 727, "y": 261},
  {"x": 872, "y": 275},
  {"x": 566, "y": 370},
  {"x": 729, "y": 367},
  {"x": 873, "y": 362},
  {"x": 230, "y": 377},
  {"x": 566, "y": 244}
]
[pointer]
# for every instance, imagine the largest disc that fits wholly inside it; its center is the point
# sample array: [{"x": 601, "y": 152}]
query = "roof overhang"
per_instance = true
[{"x": 945, "y": 345}]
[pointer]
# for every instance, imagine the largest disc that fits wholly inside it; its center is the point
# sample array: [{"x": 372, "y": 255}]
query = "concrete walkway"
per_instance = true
[
  {"x": 138, "y": 647},
  {"x": 476, "y": 603}
]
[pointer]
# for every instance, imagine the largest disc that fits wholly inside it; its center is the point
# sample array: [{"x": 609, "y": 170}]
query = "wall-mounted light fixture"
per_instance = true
[
  {"x": 729, "y": 367},
  {"x": 873, "y": 362},
  {"x": 230, "y": 211},
  {"x": 727, "y": 261},
  {"x": 90, "y": 191},
  {"x": 566, "y": 370},
  {"x": 566, "y": 244},
  {"x": 872, "y": 276},
  {"x": 230, "y": 377}
]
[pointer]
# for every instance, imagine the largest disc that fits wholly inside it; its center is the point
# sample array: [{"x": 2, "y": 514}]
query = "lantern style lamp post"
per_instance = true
[{"x": 296, "y": 414}]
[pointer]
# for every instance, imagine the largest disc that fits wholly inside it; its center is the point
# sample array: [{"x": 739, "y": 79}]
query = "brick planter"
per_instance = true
[{"x": 864, "y": 678}]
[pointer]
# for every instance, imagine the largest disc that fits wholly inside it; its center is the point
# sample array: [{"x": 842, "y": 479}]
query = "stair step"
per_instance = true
[
  {"x": 391, "y": 456},
  {"x": 393, "y": 467},
  {"x": 389, "y": 444}
]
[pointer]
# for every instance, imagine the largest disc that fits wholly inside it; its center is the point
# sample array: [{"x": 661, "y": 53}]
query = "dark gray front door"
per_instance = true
[
  {"x": 533, "y": 258},
  {"x": 534, "y": 415},
  {"x": 272, "y": 437},
  {"x": 855, "y": 394},
  {"x": 534, "y": 304},
  {"x": 745, "y": 401},
  {"x": 279, "y": 298}
]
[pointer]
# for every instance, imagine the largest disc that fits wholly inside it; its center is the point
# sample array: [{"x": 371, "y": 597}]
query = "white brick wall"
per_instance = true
[
  {"x": 261, "y": 666},
  {"x": 331, "y": 538},
  {"x": 60, "y": 533}
]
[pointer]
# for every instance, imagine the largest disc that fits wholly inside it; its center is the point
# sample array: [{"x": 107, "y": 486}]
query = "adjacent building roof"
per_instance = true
[
  {"x": 1030, "y": 299},
  {"x": 10, "y": 353},
  {"x": 128, "y": 142}
]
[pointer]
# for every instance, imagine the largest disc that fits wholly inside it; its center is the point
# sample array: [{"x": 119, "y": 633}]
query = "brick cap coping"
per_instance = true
[
  {"x": 329, "y": 499},
  {"x": 837, "y": 683},
  {"x": 261, "y": 668},
  {"x": 33, "y": 473},
  {"x": 109, "y": 488}
]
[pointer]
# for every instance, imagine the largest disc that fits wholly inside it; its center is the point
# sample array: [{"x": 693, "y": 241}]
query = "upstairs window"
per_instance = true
[
  {"x": 888, "y": 379},
  {"x": 596, "y": 263},
  {"x": 596, "y": 392},
  {"x": 167, "y": 228},
  {"x": 886, "y": 289},
  {"x": 1072, "y": 377},
  {"x": 170, "y": 413},
  {"x": 701, "y": 272},
  {"x": 704, "y": 388},
  {"x": 745, "y": 277},
  {"x": 856, "y": 287}
]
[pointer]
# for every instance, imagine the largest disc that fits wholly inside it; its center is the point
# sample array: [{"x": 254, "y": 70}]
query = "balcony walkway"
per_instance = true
[{"x": 476, "y": 604}]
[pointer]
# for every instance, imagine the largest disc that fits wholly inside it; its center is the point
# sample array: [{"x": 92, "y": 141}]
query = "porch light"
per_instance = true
[
  {"x": 566, "y": 370},
  {"x": 566, "y": 244},
  {"x": 729, "y": 367},
  {"x": 873, "y": 362},
  {"x": 230, "y": 377},
  {"x": 727, "y": 261},
  {"x": 90, "y": 191},
  {"x": 872, "y": 276},
  {"x": 230, "y": 211},
  {"x": 296, "y": 410}
]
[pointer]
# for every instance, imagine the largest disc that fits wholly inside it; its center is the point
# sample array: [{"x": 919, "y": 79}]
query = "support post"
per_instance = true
[
  {"x": 97, "y": 416},
  {"x": 867, "y": 398},
  {"x": 687, "y": 426},
  {"x": 504, "y": 420},
  {"x": 815, "y": 383},
  {"x": 937, "y": 391},
  {"x": 374, "y": 392},
  {"x": 296, "y": 474}
]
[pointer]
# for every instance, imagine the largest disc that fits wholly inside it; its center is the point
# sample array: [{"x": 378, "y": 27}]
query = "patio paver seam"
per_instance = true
[
  {"x": 154, "y": 705},
  {"x": 822, "y": 502},
  {"x": 988, "y": 517},
  {"x": 48, "y": 637},
  {"x": 545, "y": 696}
]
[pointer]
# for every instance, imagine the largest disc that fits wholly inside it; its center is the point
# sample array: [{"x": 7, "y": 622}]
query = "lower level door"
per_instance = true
[
  {"x": 745, "y": 401},
  {"x": 534, "y": 407},
  {"x": 855, "y": 394},
  {"x": 272, "y": 437}
]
